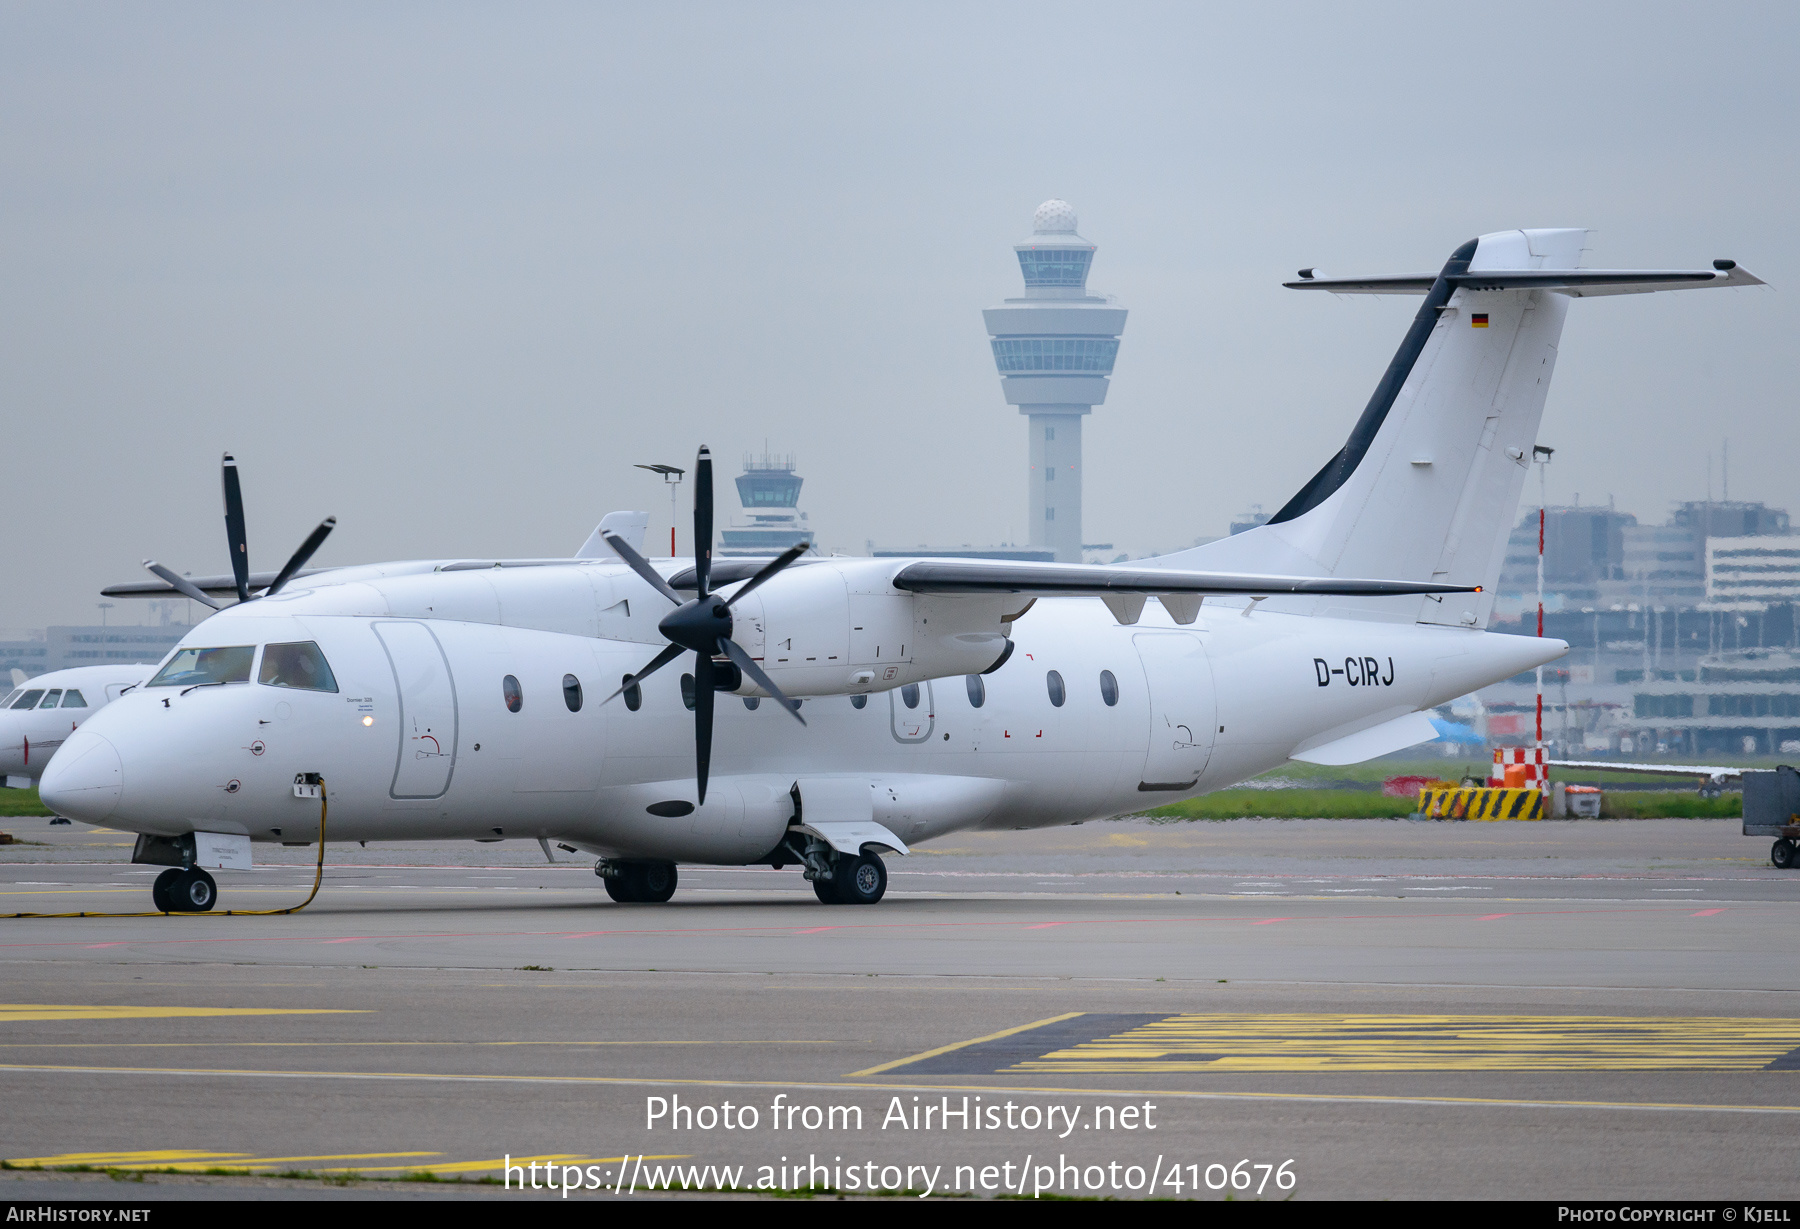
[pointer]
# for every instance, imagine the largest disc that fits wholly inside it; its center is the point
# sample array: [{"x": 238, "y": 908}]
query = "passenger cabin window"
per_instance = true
[
  {"x": 977, "y": 690},
  {"x": 72, "y": 699},
  {"x": 195, "y": 667},
  {"x": 752, "y": 702},
  {"x": 51, "y": 697},
  {"x": 572, "y": 692},
  {"x": 634, "y": 694},
  {"x": 1109, "y": 688},
  {"x": 29, "y": 699},
  {"x": 687, "y": 691},
  {"x": 909, "y": 695},
  {"x": 300, "y": 666},
  {"x": 859, "y": 701},
  {"x": 515, "y": 699},
  {"x": 1058, "y": 693}
]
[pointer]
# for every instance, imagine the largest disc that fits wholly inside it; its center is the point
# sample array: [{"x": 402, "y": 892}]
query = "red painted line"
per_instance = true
[
  {"x": 351, "y": 939},
  {"x": 817, "y": 930},
  {"x": 1048, "y": 925},
  {"x": 92, "y": 946},
  {"x": 1493, "y": 917},
  {"x": 1270, "y": 921},
  {"x": 1706, "y": 913}
]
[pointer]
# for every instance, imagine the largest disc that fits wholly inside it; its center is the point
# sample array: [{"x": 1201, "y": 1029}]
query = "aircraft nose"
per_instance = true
[{"x": 85, "y": 778}]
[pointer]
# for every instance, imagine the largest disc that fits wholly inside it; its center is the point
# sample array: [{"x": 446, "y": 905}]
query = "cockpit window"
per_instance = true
[
  {"x": 51, "y": 697},
  {"x": 29, "y": 699},
  {"x": 10, "y": 697},
  {"x": 299, "y": 665},
  {"x": 193, "y": 667},
  {"x": 73, "y": 699}
]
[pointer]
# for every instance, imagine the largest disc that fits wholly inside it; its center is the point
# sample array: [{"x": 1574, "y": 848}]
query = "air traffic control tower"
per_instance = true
[{"x": 1055, "y": 349}]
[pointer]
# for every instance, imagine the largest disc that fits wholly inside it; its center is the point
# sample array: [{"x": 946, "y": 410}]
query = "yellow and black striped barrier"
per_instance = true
[{"x": 1481, "y": 803}]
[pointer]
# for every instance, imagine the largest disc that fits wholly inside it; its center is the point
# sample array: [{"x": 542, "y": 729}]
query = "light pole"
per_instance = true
[
  {"x": 672, "y": 479},
  {"x": 1541, "y": 455},
  {"x": 104, "y": 607}
]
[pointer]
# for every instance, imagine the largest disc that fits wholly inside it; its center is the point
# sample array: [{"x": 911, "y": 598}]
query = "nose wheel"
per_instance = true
[{"x": 184, "y": 891}]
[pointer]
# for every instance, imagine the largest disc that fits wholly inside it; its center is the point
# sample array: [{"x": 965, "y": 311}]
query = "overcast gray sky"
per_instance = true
[{"x": 446, "y": 271}]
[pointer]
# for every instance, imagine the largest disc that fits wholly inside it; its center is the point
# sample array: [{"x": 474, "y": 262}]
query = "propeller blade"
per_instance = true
[
  {"x": 640, "y": 565},
  {"x": 312, "y": 543},
  {"x": 235, "y": 538},
  {"x": 787, "y": 556},
  {"x": 669, "y": 654},
  {"x": 748, "y": 665},
  {"x": 182, "y": 585},
  {"x": 703, "y": 718},
  {"x": 703, "y": 519}
]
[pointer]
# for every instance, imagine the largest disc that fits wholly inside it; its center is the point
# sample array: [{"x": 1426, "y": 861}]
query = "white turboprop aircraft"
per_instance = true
[
  {"x": 467, "y": 699},
  {"x": 37, "y": 715}
]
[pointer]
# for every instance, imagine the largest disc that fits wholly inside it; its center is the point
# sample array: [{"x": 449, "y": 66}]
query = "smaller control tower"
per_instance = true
[
  {"x": 769, "y": 489},
  {"x": 1055, "y": 349}
]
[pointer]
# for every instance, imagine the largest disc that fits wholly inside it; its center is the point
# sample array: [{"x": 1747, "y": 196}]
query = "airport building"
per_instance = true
[{"x": 63, "y": 647}]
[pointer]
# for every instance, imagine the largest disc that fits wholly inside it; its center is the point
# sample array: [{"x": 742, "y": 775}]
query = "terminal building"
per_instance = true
[{"x": 63, "y": 647}]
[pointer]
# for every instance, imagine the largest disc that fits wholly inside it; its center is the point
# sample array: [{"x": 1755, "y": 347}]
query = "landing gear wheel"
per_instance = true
[
  {"x": 1783, "y": 854},
  {"x": 642, "y": 883},
  {"x": 826, "y": 891},
  {"x": 162, "y": 892},
  {"x": 861, "y": 880},
  {"x": 193, "y": 891}
]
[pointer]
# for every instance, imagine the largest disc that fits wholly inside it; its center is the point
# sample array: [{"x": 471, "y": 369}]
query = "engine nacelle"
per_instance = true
[{"x": 839, "y": 627}]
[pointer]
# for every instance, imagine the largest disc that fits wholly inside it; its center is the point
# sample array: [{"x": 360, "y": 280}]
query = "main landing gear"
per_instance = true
[
  {"x": 184, "y": 891},
  {"x": 855, "y": 880},
  {"x": 632, "y": 882}
]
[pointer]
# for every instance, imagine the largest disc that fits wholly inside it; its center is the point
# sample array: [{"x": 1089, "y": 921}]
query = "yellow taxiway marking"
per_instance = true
[
  {"x": 216, "y": 1045},
  {"x": 1005, "y": 1032},
  {"x": 18, "y": 1012},
  {"x": 1185, "y": 1094},
  {"x": 190, "y": 1158},
  {"x": 1290, "y": 1042},
  {"x": 195, "y": 1159}
]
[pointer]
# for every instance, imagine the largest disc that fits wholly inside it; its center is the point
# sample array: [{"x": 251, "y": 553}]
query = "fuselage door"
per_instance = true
[
  {"x": 1182, "y": 709},
  {"x": 427, "y": 710}
]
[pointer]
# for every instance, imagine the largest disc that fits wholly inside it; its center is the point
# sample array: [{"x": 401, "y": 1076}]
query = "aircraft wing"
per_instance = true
[
  {"x": 1712, "y": 772},
  {"x": 224, "y": 586},
  {"x": 953, "y": 576}
]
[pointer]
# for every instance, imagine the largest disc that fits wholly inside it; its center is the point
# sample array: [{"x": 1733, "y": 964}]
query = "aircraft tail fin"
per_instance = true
[
  {"x": 1427, "y": 485},
  {"x": 628, "y": 525}
]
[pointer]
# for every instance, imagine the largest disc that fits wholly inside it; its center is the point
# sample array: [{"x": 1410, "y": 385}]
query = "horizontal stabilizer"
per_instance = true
[{"x": 1579, "y": 283}]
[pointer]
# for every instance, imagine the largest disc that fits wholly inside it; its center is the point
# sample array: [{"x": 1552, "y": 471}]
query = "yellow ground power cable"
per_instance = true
[{"x": 318, "y": 878}]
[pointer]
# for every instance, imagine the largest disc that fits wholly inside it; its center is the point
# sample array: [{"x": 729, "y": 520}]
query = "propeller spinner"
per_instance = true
[
  {"x": 703, "y": 626},
  {"x": 238, "y": 541}
]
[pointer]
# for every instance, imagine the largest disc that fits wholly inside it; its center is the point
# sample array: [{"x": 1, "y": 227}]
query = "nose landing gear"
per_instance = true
[{"x": 184, "y": 891}]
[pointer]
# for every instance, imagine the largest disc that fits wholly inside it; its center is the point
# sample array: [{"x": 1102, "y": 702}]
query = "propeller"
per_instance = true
[
  {"x": 703, "y": 625},
  {"x": 237, "y": 540}
]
